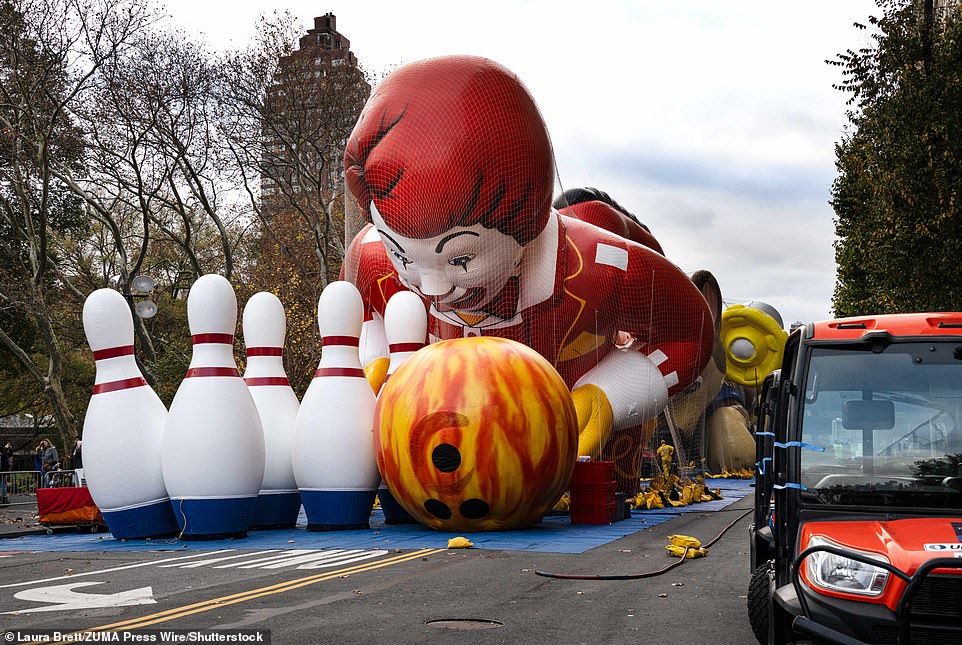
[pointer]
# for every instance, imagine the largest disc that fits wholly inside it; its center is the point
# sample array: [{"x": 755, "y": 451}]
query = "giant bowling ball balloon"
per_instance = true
[{"x": 476, "y": 434}]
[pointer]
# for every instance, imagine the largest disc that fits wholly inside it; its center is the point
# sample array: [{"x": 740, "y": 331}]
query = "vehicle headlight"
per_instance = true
[{"x": 845, "y": 575}]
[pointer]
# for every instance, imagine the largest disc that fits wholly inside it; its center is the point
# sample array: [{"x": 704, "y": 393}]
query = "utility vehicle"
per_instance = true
[{"x": 857, "y": 530}]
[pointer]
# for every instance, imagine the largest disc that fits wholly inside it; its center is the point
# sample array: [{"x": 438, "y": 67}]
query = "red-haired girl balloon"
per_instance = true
[{"x": 452, "y": 165}]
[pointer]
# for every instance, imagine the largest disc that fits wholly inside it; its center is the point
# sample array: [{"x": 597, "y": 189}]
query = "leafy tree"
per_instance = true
[
  {"x": 36, "y": 206},
  {"x": 128, "y": 148},
  {"x": 288, "y": 109},
  {"x": 896, "y": 197}
]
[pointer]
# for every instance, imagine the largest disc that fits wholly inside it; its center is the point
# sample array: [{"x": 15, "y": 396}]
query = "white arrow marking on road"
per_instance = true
[{"x": 65, "y": 598}]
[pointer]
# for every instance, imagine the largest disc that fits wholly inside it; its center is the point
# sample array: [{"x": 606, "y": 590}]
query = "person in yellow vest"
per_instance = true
[{"x": 666, "y": 453}]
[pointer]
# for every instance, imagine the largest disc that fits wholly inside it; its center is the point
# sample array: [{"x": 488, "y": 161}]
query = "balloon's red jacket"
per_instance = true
[{"x": 607, "y": 292}]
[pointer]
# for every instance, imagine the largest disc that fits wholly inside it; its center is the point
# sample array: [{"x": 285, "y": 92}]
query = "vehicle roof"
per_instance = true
[{"x": 899, "y": 325}]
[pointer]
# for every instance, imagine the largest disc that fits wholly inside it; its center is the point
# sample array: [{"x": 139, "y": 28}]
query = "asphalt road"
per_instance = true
[{"x": 392, "y": 596}]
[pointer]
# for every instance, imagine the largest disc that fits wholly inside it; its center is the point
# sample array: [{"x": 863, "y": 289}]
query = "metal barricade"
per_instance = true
[
  {"x": 20, "y": 486},
  {"x": 60, "y": 479}
]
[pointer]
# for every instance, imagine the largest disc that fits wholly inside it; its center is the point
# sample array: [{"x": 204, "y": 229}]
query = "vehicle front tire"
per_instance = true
[{"x": 759, "y": 601}]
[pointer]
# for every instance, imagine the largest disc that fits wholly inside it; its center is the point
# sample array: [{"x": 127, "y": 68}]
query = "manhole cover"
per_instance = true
[{"x": 465, "y": 623}]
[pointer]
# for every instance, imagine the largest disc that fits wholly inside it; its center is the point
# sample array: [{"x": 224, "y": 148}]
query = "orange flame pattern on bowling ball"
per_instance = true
[{"x": 476, "y": 434}]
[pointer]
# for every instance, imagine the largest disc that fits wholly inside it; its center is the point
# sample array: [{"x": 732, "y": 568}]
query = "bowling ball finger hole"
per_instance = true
[
  {"x": 446, "y": 458},
  {"x": 474, "y": 509},
  {"x": 438, "y": 509}
]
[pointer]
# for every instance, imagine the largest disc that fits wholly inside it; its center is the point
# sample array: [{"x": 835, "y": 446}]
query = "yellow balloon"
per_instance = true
[{"x": 754, "y": 344}]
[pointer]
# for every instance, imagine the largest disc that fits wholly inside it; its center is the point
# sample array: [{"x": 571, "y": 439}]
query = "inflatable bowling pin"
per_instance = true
[
  {"x": 333, "y": 456},
  {"x": 406, "y": 329},
  {"x": 405, "y": 326},
  {"x": 123, "y": 428},
  {"x": 213, "y": 450},
  {"x": 265, "y": 326}
]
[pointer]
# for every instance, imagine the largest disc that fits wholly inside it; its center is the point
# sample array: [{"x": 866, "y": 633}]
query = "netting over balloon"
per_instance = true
[{"x": 452, "y": 171}]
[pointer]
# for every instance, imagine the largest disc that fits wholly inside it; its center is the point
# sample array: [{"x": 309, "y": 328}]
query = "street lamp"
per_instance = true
[{"x": 140, "y": 287}]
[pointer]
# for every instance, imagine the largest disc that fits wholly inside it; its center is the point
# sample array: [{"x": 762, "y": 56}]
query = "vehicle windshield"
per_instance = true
[{"x": 883, "y": 426}]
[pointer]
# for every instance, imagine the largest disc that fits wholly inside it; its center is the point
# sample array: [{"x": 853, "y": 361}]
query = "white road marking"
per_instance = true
[
  {"x": 364, "y": 556},
  {"x": 324, "y": 556},
  {"x": 64, "y": 598},
  {"x": 200, "y": 563},
  {"x": 305, "y": 559},
  {"x": 145, "y": 563},
  {"x": 270, "y": 558},
  {"x": 278, "y": 559}
]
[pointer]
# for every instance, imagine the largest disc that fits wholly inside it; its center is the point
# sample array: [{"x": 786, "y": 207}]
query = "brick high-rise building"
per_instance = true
[
  {"x": 324, "y": 41},
  {"x": 302, "y": 100},
  {"x": 308, "y": 114}
]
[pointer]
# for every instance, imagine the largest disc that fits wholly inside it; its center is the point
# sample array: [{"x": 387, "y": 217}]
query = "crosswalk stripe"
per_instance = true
[
  {"x": 315, "y": 557},
  {"x": 200, "y": 563},
  {"x": 271, "y": 558},
  {"x": 363, "y": 556},
  {"x": 286, "y": 562}
]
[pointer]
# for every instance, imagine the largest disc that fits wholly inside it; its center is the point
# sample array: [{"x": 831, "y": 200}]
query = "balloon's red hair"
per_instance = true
[{"x": 452, "y": 141}]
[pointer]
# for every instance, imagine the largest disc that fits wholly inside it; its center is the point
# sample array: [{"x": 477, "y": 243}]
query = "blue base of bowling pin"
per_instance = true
[
  {"x": 213, "y": 519},
  {"x": 394, "y": 513},
  {"x": 150, "y": 520},
  {"x": 276, "y": 511},
  {"x": 338, "y": 510}
]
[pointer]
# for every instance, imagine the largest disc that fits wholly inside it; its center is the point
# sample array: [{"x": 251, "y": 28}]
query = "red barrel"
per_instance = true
[
  {"x": 593, "y": 492},
  {"x": 593, "y": 472},
  {"x": 592, "y": 513}
]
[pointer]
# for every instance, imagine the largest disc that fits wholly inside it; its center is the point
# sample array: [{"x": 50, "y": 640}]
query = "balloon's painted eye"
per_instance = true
[
  {"x": 400, "y": 258},
  {"x": 461, "y": 261}
]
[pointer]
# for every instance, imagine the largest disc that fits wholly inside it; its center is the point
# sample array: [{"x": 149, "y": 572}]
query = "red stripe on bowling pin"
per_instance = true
[
  {"x": 339, "y": 371},
  {"x": 196, "y": 372},
  {"x": 124, "y": 384},
  {"x": 200, "y": 339},
  {"x": 405, "y": 347},
  {"x": 343, "y": 341},
  {"x": 113, "y": 352},
  {"x": 265, "y": 351},
  {"x": 266, "y": 380}
]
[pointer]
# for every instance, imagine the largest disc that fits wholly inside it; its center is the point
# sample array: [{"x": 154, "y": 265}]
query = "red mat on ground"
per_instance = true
[{"x": 66, "y": 505}]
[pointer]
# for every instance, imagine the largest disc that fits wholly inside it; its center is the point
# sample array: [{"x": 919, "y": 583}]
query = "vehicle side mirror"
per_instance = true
[{"x": 868, "y": 415}]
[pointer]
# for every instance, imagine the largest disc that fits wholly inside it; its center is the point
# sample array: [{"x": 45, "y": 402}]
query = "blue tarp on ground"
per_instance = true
[{"x": 555, "y": 534}]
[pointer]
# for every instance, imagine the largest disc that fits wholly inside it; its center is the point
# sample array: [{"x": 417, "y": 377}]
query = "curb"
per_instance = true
[{"x": 22, "y": 533}]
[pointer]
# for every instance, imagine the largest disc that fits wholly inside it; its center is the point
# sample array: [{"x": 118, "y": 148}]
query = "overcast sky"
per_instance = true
[{"x": 714, "y": 122}]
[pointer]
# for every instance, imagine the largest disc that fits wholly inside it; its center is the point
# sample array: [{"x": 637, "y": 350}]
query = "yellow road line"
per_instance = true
[{"x": 251, "y": 594}]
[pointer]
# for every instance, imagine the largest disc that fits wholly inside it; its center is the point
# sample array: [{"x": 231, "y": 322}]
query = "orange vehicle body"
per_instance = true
[
  {"x": 938, "y": 324},
  {"x": 902, "y": 542}
]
